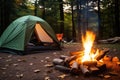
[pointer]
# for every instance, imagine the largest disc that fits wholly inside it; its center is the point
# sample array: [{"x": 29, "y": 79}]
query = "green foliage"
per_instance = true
[{"x": 108, "y": 18}]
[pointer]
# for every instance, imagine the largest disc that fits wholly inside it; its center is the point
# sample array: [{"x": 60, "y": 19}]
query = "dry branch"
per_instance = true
[
  {"x": 110, "y": 40},
  {"x": 102, "y": 54}
]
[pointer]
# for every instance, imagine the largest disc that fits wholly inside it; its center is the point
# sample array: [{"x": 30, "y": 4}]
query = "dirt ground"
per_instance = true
[{"x": 36, "y": 66}]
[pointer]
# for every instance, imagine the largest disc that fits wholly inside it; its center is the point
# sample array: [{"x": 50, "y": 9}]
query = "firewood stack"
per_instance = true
[{"x": 68, "y": 64}]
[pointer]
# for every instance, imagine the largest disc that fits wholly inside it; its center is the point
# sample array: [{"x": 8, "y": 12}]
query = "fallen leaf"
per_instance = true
[
  {"x": 21, "y": 60},
  {"x": 47, "y": 58},
  {"x": 9, "y": 56},
  {"x": 9, "y": 60},
  {"x": 7, "y": 65},
  {"x": 48, "y": 65},
  {"x": 15, "y": 64},
  {"x": 62, "y": 76},
  {"x": 31, "y": 64},
  {"x": 49, "y": 71},
  {"x": 47, "y": 78},
  {"x": 100, "y": 75},
  {"x": 54, "y": 53},
  {"x": 3, "y": 72},
  {"x": 1, "y": 58},
  {"x": 107, "y": 76},
  {"x": 42, "y": 60},
  {"x": 113, "y": 73},
  {"x": 19, "y": 75},
  {"x": 4, "y": 68},
  {"x": 36, "y": 70},
  {"x": 34, "y": 57}
]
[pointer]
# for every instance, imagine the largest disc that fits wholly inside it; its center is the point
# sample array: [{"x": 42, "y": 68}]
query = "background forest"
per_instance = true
[{"x": 71, "y": 17}]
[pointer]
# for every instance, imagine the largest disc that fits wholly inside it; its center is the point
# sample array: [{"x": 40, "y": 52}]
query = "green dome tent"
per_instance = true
[{"x": 19, "y": 32}]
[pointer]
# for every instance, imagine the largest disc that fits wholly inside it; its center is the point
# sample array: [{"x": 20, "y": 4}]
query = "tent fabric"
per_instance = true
[
  {"x": 43, "y": 37},
  {"x": 19, "y": 32}
]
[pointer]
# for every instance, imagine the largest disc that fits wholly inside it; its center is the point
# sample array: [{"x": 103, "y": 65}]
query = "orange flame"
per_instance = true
[{"x": 87, "y": 42}]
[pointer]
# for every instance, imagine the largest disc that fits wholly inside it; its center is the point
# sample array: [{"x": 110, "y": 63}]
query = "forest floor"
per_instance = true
[{"x": 36, "y": 66}]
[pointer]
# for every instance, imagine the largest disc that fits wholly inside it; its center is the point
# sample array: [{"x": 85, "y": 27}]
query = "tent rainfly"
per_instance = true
[{"x": 19, "y": 33}]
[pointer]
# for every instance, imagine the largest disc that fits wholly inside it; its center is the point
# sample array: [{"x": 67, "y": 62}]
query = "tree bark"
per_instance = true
[
  {"x": 78, "y": 20},
  {"x": 61, "y": 16},
  {"x": 6, "y": 8},
  {"x": 117, "y": 22},
  {"x": 73, "y": 25},
  {"x": 35, "y": 11},
  {"x": 100, "y": 33}
]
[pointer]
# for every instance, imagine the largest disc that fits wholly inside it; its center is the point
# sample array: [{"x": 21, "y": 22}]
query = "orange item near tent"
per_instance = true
[{"x": 59, "y": 36}]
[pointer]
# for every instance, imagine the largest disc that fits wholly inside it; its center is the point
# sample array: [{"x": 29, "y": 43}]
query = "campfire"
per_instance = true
[{"x": 88, "y": 61}]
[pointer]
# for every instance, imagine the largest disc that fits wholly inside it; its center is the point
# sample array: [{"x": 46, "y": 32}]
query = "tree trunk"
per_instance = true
[
  {"x": 100, "y": 33},
  {"x": 35, "y": 11},
  {"x": 78, "y": 20},
  {"x": 5, "y": 14},
  {"x": 117, "y": 22},
  {"x": 73, "y": 25},
  {"x": 61, "y": 16}
]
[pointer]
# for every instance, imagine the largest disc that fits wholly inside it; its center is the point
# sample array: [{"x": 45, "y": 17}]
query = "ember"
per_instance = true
[{"x": 88, "y": 61}]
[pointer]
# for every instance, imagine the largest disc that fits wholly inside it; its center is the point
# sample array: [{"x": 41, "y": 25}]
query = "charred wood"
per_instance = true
[
  {"x": 101, "y": 66},
  {"x": 102, "y": 54},
  {"x": 75, "y": 67},
  {"x": 84, "y": 70},
  {"x": 90, "y": 63},
  {"x": 62, "y": 68},
  {"x": 69, "y": 59}
]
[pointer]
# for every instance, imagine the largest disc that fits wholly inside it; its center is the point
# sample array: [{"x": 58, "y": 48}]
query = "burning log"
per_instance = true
[
  {"x": 84, "y": 69},
  {"x": 76, "y": 53},
  {"x": 101, "y": 66},
  {"x": 58, "y": 61},
  {"x": 62, "y": 68},
  {"x": 74, "y": 67},
  {"x": 90, "y": 63},
  {"x": 69, "y": 59},
  {"x": 102, "y": 54}
]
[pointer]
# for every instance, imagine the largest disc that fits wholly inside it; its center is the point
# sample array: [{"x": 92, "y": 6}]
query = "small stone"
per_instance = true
[{"x": 31, "y": 64}]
